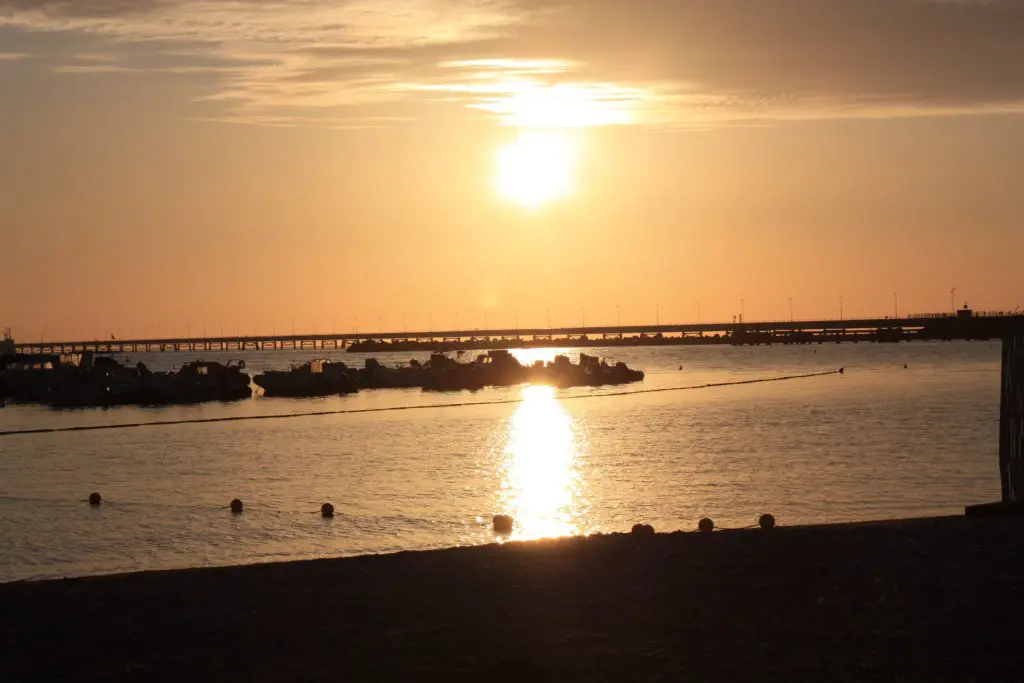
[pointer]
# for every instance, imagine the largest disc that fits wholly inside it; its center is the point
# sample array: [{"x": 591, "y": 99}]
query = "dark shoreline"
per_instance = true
[{"x": 922, "y": 600}]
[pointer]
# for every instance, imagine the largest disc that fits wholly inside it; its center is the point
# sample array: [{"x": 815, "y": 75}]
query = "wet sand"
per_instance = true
[{"x": 929, "y": 600}]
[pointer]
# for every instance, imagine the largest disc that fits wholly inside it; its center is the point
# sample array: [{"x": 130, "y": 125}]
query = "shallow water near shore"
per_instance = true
[{"x": 880, "y": 441}]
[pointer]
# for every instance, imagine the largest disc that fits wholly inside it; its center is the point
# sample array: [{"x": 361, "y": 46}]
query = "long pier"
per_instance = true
[{"x": 963, "y": 325}]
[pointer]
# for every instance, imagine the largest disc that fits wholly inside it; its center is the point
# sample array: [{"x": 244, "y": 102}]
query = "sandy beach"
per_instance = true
[{"x": 927, "y": 600}]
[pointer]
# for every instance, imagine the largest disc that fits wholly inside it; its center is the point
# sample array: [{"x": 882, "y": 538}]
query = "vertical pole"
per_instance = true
[{"x": 1011, "y": 419}]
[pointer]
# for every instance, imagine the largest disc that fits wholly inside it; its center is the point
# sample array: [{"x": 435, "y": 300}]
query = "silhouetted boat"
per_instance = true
[
  {"x": 442, "y": 373},
  {"x": 315, "y": 378},
  {"x": 501, "y": 368},
  {"x": 195, "y": 382},
  {"x": 82, "y": 380},
  {"x": 589, "y": 372},
  {"x": 374, "y": 375},
  {"x": 30, "y": 378}
]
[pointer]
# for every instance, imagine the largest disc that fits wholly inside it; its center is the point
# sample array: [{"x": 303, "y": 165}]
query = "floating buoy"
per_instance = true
[
  {"x": 95, "y": 499},
  {"x": 642, "y": 530},
  {"x": 327, "y": 510},
  {"x": 502, "y": 524},
  {"x": 706, "y": 525},
  {"x": 766, "y": 522},
  {"x": 236, "y": 506}
]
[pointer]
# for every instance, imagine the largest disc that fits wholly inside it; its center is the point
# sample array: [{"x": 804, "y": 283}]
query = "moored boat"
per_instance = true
[
  {"x": 589, "y": 372},
  {"x": 314, "y": 378},
  {"x": 501, "y": 368},
  {"x": 82, "y": 381},
  {"x": 196, "y": 382},
  {"x": 374, "y": 375}
]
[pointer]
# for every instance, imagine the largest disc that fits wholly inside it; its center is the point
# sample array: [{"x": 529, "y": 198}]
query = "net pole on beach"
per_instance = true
[{"x": 1011, "y": 419}]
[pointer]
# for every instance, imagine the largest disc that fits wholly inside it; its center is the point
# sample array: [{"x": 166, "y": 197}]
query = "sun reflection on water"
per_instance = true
[{"x": 541, "y": 478}]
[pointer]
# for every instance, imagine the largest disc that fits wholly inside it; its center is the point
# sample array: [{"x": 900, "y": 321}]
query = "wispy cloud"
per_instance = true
[
  {"x": 102, "y": 57},
  {"x": 689, "y": 63},
  {"x": 93, "y": 69},
  {"x": 13, "y": 56}
]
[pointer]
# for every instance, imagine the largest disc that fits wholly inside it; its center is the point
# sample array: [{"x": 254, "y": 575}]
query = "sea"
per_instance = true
[{"x": 906, "y": 430}]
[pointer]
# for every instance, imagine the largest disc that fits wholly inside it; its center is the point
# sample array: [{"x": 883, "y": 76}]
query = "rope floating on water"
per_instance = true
[{"x": 323, "y": 413}]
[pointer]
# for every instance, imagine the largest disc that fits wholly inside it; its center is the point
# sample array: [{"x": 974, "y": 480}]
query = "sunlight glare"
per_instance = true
[
  {"x": 541, "y": 485},
  {"x": 536, "y": 169}
]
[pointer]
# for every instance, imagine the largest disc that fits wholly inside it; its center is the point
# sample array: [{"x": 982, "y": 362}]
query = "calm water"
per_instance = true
[{"x": 878, "y": 442}]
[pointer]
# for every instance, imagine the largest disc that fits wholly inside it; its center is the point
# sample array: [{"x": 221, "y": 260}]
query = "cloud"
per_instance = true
[
  {"x": 13, "y": 56},
  {"x": 102, "y": 57},
  {"x": 908, "y": 51},
  {"x": 688, "y": 63}
]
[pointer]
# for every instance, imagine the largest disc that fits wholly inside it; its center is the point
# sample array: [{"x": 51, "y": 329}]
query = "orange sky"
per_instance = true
[{"x": 167, "y": 166}]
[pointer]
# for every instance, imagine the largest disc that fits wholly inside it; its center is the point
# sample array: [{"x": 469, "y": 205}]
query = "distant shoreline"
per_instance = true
[{"x": 919, "y": 600}]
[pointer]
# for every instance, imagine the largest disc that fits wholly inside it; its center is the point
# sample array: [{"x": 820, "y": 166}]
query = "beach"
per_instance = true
[{"x": 925, "y": 600}]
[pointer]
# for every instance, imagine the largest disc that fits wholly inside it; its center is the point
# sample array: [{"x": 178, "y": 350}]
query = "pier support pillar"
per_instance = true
[
  {"x": 1011, "y": 420},
  {"x": 1011, "y": 434}
]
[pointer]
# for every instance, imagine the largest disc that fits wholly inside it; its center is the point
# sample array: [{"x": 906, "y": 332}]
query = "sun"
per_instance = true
[{"x": 538, "y": 168}]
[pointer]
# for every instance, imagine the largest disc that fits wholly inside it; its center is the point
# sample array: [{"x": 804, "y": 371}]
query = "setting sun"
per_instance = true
[{"x": 537, "y": 168}]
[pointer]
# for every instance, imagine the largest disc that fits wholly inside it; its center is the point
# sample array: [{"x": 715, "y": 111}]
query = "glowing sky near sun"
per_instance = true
[{"x": 259, "y": 165}]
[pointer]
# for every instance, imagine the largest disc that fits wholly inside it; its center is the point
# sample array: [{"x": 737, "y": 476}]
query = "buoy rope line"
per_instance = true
[
  {"x": 106, "y": 503},
  {"x": 355, "y": 411},
  {"x": 327, "y": 512}
]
